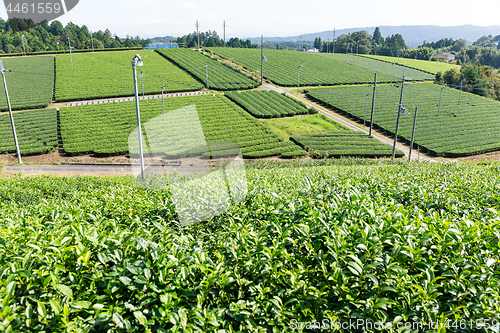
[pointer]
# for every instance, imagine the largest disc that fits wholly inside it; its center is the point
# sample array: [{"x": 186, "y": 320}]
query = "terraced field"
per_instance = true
[
  {"x": 109, "y": 74},
  {"x": 281, "y": 67},
  {"x": 105, "y": 128},
  {"x": 460, "y": 130},
  {"x": 30, "y": 82},
  {"x": 220, "y": 77},
  {"x": 427, "y": 66},
  {"x": 381, "y": 67}
]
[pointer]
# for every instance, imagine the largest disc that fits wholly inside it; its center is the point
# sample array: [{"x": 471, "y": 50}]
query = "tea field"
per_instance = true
[
  {"x": 30, "y": 82},
  {"x": 460, "y": 130},
  {"x": 36, "y": 132},
  {"x": 105, "y": 128},
  {"x": 109, "y": 74},
  {"x": 395, "y": 244},
  {"x": 344, "y": 144},
  {"x": 220, "y": 76},
  {"x": 427, "y": 66},
  {"x": 306, "y": 124},
  {"x": 281, "y": 67},
  {"x": 267, "y": 104},
  {"x": 381, "y": 67}
]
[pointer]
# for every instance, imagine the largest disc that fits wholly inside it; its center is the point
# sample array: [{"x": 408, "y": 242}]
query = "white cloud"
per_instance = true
[{"x": 191, "y": 6}]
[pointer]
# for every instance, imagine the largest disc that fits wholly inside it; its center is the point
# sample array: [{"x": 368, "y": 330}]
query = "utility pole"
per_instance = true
[
  {"x": 58, "y": 47},
  {"x": 357, "y": 47},
  {"x": 142, "y": 78},
  {"x": 70, "y": 54},
  {"x": 460, "y": 96},
  {"x": 163, "y": 99},
  {"x": 440, "y": 96},
  {"x": 262, "y": 60},
  {"x": 373, "y": 103},
  {"x": 346, "y": 49},
  {"x": 400, "y": 107},
  {"x": 92, "y": 39},
  {"x": 366, "y": 108},
  {"x": 198, "y": 33},
  {"x": 392, "y": 71},
  {"x": 24, "y": 49},
  {"x": 413, "y": 133},
  {"x": 224, "y": 26},
  {"x": 298, "y": 79},
  {"x": 3, "y": 70},
  {"x": 137, "y": 61}
]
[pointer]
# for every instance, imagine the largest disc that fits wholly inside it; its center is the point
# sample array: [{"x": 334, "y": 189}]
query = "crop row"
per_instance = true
[
  {"x": 30, "y": 82},
  {"x": 381, "y": 67},
  {"x": 109, "y": 74},
  {"x": 220, "y": 77},
  {"x": 36, "y": 132},
  {"x": 459, "y": 130},
  {"x": 281, "y": 67},
  {"x": 105, "y": 128},
  {"x": 267, "y": 104},
  {"x": 424, "y": 65},
  {"x": 343, "y": 143}
]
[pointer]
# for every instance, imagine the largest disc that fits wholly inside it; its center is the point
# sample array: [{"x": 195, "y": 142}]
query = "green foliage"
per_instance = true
[
  {"x": 36, "y": 132},
  {"x": 281, "y": 67},
  {"x": 220, "y": 76},
  {"x": 105, "y": 128},
  {"x": 363, "y": 46},
  {"x": 30, "y": 82},
  {"x": 383, "y": 243},
  {"x": 109, "y": 74},
  {"x": 307, "y": 124},
  {"x": 467, "y": 129},
  {"x": 344, "y": 143},
  {"x": 427, "y": 66},
  {"x": 381, "y": 67},
  {"x": 266, "y": 104}
]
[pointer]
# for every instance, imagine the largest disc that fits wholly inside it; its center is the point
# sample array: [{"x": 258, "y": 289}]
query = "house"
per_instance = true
[
  {"x": 313, "y": 50},
  {"x": 447, "y": 56},
  {"x": 301, "y": 50}
]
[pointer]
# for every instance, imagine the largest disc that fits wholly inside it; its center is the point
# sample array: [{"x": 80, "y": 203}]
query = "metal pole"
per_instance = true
[
  {"x": 142, "y": 79},
  {"x": 18, "y": 152},
  {"x": 460, "y": 96},
  {"x": 440, "y": 96},
  {"x": 138, "y": 114},
  {"x": 58, "y": 47},
  {"x": 392, "y": 71},
  {"x": 24, "y": 49},
  {"x": 163, "y": 99},
  {"x": 357, "y": 47},
  {"x": 92, "y": 39},
  {"x": 399, "y": 52},
  {"x": 346, "y": 49},
  {"x": 298, "y": 79},
  {"x": 198, "y": 33},
  {"x": 262, "y": 60},
  {"x": 224, "y": 41},
  {"x": 399, "y": 114},
  {"x": 206, "y": 73},
  {"x": 373, "y": 103},
  {"x": 416, "y": 52},
  {"x": 366, "y": 108},
  {"x": 413, "y": 133},
  {"x": 70, "y": 54}
]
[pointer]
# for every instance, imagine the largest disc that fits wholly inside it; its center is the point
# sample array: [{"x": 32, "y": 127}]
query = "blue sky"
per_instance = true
[{"x": 150, "y": 18}]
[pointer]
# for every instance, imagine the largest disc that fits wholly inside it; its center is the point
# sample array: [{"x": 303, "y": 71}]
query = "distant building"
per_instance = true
[
  {"x": 447, "y": 56},
  {"x": 162, "y": 46},
  {"x": 301, "y": 50},
  {"x": 313, "y": 50}
]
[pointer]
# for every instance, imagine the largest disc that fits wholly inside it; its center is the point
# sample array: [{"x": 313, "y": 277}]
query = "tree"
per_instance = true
[
  {"x": 317, "y": 43},
  {"x": 377, "y": 37}
]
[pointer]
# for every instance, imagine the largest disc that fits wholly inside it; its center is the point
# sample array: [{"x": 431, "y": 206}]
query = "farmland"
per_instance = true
[
  {"x": 427, "y": 66},
  {"x": 308, "y": 244},
  {"x": 381, "y": 67},
  {"x": 30, "y": 82},
  {"x": 105, "y": 128},
  {"x": 281, "y": 67},
  {"x": 220, "y": 77},
  {"x": 460, "y": 130},
  {"x": 299, "y": 125},
  {"x": 343, "y": 144},
  {"x": 109, "y": 74},
  {"x": 36, "y": 132},
  {"x": 267, "y": 104}
]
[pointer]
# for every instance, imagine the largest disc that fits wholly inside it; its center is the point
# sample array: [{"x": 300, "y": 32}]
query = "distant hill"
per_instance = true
[
  {"x": 166, "y": 39},
  {"x": 413, "y": 35}
]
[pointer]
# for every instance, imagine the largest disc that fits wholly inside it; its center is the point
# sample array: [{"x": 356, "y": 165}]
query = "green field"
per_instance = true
[
  {"x": 299, "y": 125},
  {"x": 220, "y": 76},
  {"x": 467, "y": 129},
  {"x": 36, "y": 132},
  {"x": 383, "y": 243},
  {"x": 281, "y": 67},
  {"x": 427, "y": 66},
  {"x": 267, "y": 104},
  {"x": 30, "y": 82},
  {"x": 381, "y": 67},
  {"x": 105, "y": 128},
  {"x": 109, "y": 74},
  {"x": 343, "y": 144}
]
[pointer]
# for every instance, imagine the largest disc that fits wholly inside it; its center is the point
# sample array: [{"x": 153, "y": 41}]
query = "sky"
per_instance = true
[{"x": 272, "y": 18}]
